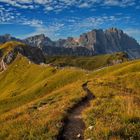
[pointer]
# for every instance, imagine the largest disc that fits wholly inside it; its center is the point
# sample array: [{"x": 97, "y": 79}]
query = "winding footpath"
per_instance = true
[{"x": 74, "y": 125}]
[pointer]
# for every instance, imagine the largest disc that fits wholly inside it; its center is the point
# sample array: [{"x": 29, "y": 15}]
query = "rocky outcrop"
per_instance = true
[
  {"x": 34, "y": 54},
  {"x": 39, "y": 41},
  {"x": 2, "y": 65}
]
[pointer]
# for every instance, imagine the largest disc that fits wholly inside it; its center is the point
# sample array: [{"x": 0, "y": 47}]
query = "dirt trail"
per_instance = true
[{"x": 74, "y": 126}]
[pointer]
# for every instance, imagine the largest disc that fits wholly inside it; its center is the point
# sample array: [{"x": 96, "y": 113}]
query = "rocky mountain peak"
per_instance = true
[
  {"x": 96, "y": 41},
  {"x": 38, "y": 41},
  {"x": 6, "y": 37},
  {"x": 114, "y": 30},
  {"x": 39, "y": 36}
]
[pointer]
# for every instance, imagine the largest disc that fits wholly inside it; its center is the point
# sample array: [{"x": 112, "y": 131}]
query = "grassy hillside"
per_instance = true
[
  {"x": 89, "y": 63},
  {"x": 9, "y": 46},
  {"x": 34, "y": 99},
  {"x": 115, "y": 114},
  {"x": 10, "y": 50}
]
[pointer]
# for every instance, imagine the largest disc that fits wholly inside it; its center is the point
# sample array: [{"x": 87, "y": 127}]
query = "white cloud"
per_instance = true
[
  {"x": 94, "y": 22},
  {"x": 10, "y": 15},
  {"x": 57, "y": 6},
  {"x": 50, "y": 30},
  {"x": 24, "y": 4},
  {"x": 7, "y": 14},
  {"x": 84, "y": 5},
  {"x": 49, "y": 8},
  {"x": 122, "y": 3}
]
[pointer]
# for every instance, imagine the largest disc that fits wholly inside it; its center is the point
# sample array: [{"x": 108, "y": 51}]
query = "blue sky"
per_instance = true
[{"x": 63, "y": 18}]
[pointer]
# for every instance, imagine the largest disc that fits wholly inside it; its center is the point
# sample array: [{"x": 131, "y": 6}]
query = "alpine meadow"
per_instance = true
[{"x": 69, "y": 70}]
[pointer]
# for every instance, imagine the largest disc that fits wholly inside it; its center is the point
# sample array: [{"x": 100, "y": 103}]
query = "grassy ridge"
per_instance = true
[
  {"x": 9, "y": 46},
  {"x": 28, "y": 81},
  {"x": 34, "y": 99},
  {"x": 89, "y": 63},
  {"x": 115, "y": 113},
  {"x": 42, "y": 118},
  {"x": 26, "y": 89}
]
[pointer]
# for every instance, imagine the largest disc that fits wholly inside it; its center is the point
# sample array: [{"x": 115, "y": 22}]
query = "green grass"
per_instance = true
[
  {"x": 42, "y": 118},
  {"x": 89, "y": 63},
  {"x": 9, "y": 46}
]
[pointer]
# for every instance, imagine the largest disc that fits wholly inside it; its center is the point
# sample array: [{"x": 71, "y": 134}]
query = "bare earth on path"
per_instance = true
[{"x": 74, "y": 126}]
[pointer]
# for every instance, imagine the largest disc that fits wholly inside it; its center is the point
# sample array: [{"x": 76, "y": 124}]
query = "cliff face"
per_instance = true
[
  {"x": 61, "y": 47},
  {"x": 39, "y": 41},
  {"x": 91, "y": 43},
  {"x": 88, "y": 44},
  {"x": 110, "y": 41}
]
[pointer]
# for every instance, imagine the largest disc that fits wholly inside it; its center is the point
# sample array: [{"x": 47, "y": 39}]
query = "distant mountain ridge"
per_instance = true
[
  {"x": 95, "y": 42},
  {"x": 7, "y": 37}
]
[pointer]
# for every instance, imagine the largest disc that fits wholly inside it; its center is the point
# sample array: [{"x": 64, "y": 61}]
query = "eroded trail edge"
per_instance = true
[{"x": 74, "y": 125}]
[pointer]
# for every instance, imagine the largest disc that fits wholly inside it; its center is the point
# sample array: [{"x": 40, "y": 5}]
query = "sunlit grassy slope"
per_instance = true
[
  {"x": 9, "y": 46},
  {"x": 89, "y": 63},
  {"x": 115, "y": 113},
  {"x": 34, "y": 99}
]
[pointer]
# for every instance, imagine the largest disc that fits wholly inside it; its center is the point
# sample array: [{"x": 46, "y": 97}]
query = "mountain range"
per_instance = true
[{"x": 95, "y": 42}]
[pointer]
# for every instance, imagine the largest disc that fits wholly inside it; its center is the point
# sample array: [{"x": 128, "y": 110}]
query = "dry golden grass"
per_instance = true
[
  {"x": 115, "y": 114},
  {"x": 34, "y": 100},
  {"x": 41, "y": 119}
]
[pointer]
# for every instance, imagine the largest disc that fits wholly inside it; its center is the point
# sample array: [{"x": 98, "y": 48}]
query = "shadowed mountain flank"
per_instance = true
[{"x": 94, "y": 42}]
